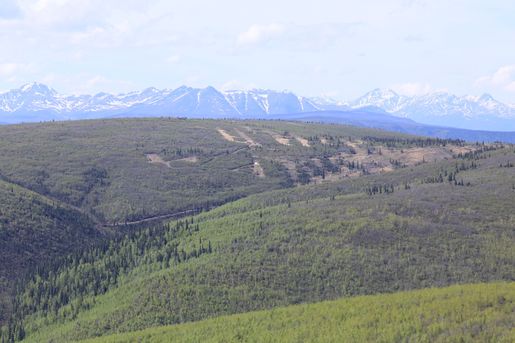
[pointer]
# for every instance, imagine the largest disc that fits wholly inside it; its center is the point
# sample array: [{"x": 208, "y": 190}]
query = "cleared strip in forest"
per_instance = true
[
  {"x": 153, "y": 218},
  {"x": 95, "y": 220},
  {"x": 303, "y": 141},
  {"x": 258, "y": 169},
  {"x": 248, "y": 140},
  {"x": 226, "y": 136}
]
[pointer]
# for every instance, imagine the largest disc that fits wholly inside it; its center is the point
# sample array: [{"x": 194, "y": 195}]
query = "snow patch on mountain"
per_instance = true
[
  {"x": 38, "y": 102},
  {"x": 437, "y": 104}
]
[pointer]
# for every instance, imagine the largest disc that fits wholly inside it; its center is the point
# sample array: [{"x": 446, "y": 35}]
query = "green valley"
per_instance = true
[{"x": 284, "y": 213}]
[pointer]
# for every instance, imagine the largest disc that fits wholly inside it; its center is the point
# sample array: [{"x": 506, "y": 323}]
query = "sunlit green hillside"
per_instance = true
[
  {"x": 469, "y": 313},
  {"x": 435, "y": 224}
]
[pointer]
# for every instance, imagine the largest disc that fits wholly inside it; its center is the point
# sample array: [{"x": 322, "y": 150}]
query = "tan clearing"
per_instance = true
[
  {"x": 282, "y": 140},
  {"x": 249, "y": 141},
  {"x": 156, "y": 159},
  {"x": 303, "y": 141},
  {"x": 258, "y": 170},
  {"x": 355, "y": 144},
  {"x": 460, "y": 149},
  {"x": 226, "y": 136},
  {"x": 191, "y": 159}
]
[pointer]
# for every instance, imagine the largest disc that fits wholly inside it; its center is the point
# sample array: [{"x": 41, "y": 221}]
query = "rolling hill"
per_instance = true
[
  {"x": 35, "y": 229},
  {"x": 470, "y": 313},
  {"x": 131, "y": 169},
  {"x": 69, "y": 185},
  {"x": 114, "y": 226},
  {"x": 417, "y": 226}
]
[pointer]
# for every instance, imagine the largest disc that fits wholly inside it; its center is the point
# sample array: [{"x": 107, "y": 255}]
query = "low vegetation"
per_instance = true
[
  {"x": 114, "y": 226},
  {"x": 90, "y": 178},
  {"x": 303, "y": 244},
  {"x": 126, "y": 170},
  {"x": 467, "y": 313}
]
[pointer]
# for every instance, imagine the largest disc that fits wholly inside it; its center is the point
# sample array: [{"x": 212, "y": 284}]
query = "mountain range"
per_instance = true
[
  {"x": 441, "y": 108},
  {"x": 38, "y": 102}
]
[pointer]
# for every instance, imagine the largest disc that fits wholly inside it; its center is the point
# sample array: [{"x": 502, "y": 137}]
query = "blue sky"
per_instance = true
[{"x": 336, "y": 48}]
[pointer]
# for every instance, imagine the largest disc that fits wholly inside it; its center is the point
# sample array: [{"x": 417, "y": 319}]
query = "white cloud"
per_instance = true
[
  {"x": 173, "y": 59},
  {"x": 413, "y": 88},
  {"x": 7, "y": 69},
  {"x": 13, "y": 71},
  {"x": 510, "y": 86},
  {"x": 259, "y": 33},
  {"x": 503, "y": 78}
]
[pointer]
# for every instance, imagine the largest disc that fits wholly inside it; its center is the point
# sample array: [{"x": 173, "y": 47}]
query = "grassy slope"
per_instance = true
[
  {"x": 471, "y": 313},
  {"x": 34, "y": 230},
  {"x": 320, "y": 242}
]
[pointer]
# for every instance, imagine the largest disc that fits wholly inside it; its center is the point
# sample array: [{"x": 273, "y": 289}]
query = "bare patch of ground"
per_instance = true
[
  {"x": 258, "y": 169},
  {"x": 226, "y": 135},
  {"x": 282, "y": 140},
  {"x": 387, "y": 169},
  {"x": 303, "y": 141},
  {"x": 382, "y": 159},
  {"x": 248, "y": 140},
  {"x": 413, "y": 156},
  {"x": 156, "y": 159},
  {"x": 191, "y": 159},
  {"x": 460, "y": 149}
]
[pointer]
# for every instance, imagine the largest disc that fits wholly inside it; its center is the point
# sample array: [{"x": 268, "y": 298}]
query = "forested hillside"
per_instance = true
[
  {"x": 469, "y": 313},
  {"x": 434, "y": 223},
  {"x": 36, "y": 230},
  {"x": 88, "y": 179},
  {"x": 119, "y": 170}
]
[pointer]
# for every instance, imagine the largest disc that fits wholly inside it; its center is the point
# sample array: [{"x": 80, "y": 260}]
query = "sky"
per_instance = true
[{"x": 334, "y": 48}]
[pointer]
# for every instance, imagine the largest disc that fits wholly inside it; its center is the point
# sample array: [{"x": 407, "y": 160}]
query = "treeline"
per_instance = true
[
  {"x": 450, "y": 176},
  {"x": 62, "y": 289},
  {"x": 443, "y": 176},
  {"x": 392, "y": 142},
  {"x": 478, "y": 153},
  {"x": 200, "y": 207},
  {"x": 182, "y": 152},
  {"x": 380, "y": 189}
]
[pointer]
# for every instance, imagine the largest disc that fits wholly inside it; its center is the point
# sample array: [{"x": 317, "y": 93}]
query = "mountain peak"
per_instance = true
[
  {"x": 383, "y": 92},
  {"x": 486, "y": 97},
  {"x": 430, "y": 108},
  {"x": 36, "y": 87},
  {"x": 210, "y": 89}
]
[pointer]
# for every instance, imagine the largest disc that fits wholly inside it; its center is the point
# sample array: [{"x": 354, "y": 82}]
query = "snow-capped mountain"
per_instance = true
[
  {"x": 444, "y": 109},
  {"x": 387, "y": 100},
  {"x": 38, "y": 102}
]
